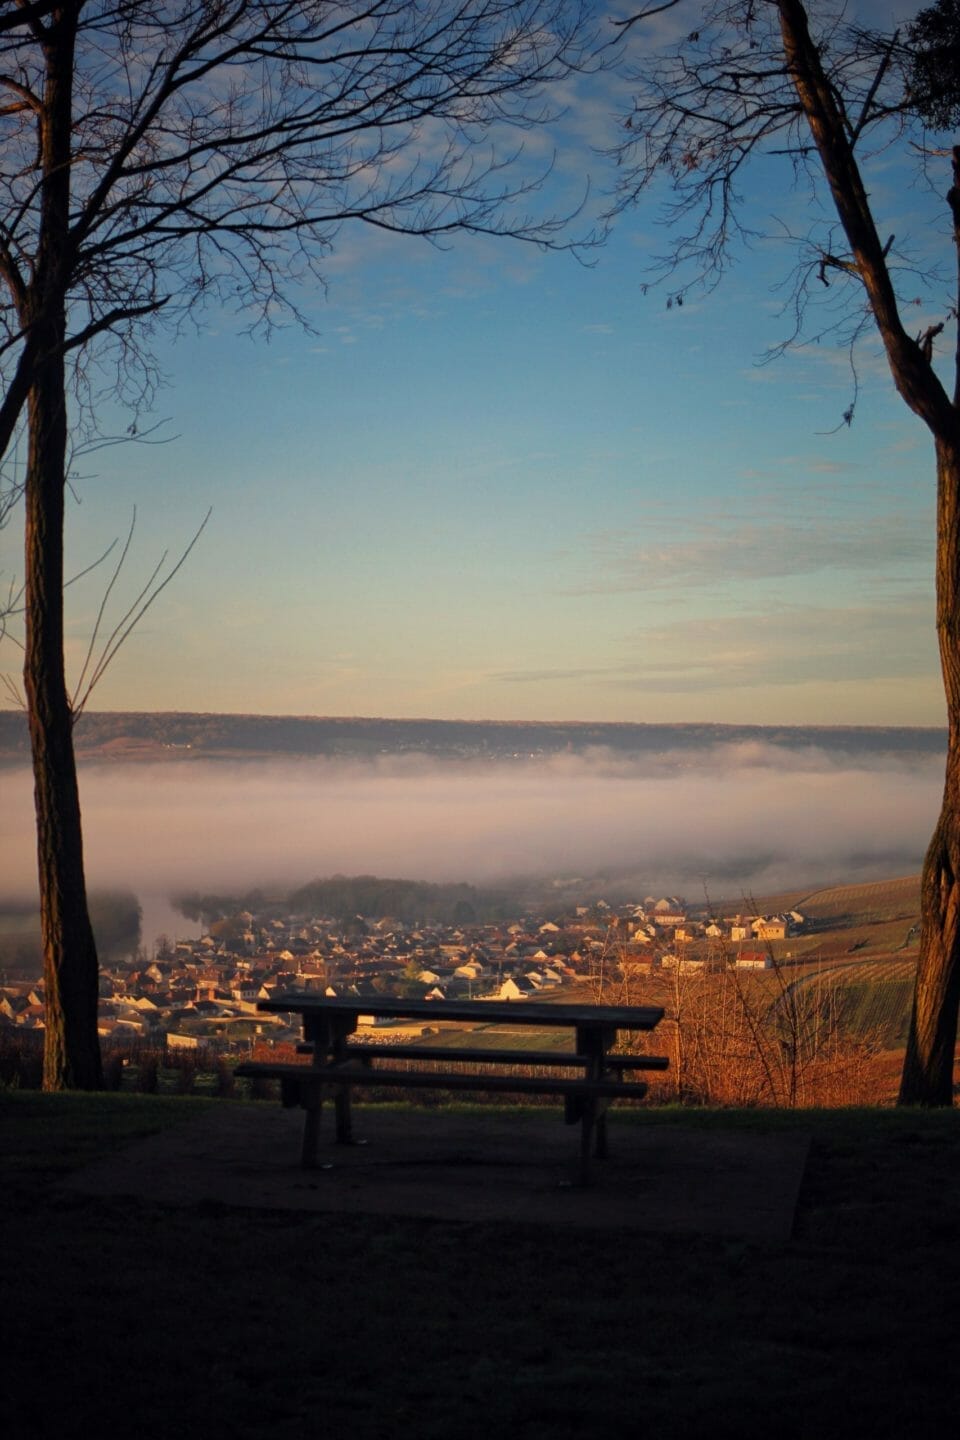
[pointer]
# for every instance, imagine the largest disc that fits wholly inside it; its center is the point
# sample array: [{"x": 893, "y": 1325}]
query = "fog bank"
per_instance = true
[{"x": 742, "y": 818}]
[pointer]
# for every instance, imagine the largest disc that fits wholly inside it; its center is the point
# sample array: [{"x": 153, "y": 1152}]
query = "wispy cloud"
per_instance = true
[
  {"x": 793, "y": 645},
  {"x": 699, "y": 554}
]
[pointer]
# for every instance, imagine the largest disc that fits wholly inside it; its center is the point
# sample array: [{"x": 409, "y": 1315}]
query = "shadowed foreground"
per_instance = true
[
  {"x": 204, "y": 1318},
  {"x": 504, "y": 1166}
]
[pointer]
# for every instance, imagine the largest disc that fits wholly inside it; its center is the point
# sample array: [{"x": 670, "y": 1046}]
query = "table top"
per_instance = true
[{"x": 495, "y": 1012}]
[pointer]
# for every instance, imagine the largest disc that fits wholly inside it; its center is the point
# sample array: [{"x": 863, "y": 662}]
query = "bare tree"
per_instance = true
[
  {"x": 775, "y": 78},
  {"x": 155, "y": 156}
]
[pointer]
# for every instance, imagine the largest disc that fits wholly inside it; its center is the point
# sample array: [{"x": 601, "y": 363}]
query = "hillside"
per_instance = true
[
  {"x": 852, "y": 965},
  {"x": 121, "y": 736},
  {"x": 879, "y": 902}
]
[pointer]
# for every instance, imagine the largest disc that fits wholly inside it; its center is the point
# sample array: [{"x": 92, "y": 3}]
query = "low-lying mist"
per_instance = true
[{"x": 749, "y": 818}]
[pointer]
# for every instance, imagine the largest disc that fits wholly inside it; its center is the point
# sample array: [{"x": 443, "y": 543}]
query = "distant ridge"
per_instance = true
[{"x": 172, "y": 736}]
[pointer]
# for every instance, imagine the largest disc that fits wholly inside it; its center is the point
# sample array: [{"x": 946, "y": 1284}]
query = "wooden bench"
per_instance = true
[
  {"x": 338, "y": 1066},
  {"x": 490, "y": 1055},
  {"x": 584, "y": 1099}
]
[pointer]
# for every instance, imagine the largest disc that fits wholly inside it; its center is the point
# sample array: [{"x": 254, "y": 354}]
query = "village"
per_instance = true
[{"x": 203, "y": 993}]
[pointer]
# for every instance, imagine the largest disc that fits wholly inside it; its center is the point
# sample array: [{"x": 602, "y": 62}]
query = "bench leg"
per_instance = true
[
  {"x": 311, "y": 1098},
  {"x": 593, "y": 1135},
  {"x": 311, "y": 1131},
  {"x": 600, "y": 1150},
  {"x": 344, "y": 1117},
  {"x": 588, "y": 1119},
  {"x": 590, "y": 1113}
]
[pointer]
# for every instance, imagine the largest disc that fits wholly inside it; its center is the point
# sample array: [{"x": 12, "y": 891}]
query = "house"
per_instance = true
[
  {"x": 209, "y": 1009},
  {"x": 182, "y": 1042},
  {"x": 516, "y": 989},
  {"x": 754, "y": 960},
  {"x": 127, "y": 1023},
  {"x": 241, "y": 988},
  {"x": 12, "y": 1006},
  {"x": 31, "y": 1018},
  {"x": 643, "y": 934},
  {"x": 471, "y": 970},
  {"x": 668, "y": 913}
]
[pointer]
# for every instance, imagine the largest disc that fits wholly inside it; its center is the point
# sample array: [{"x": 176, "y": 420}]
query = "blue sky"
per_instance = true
[{"x": 496, "y": 483}]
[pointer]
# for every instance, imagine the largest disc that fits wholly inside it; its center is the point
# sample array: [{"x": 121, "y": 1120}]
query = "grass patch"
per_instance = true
[
  {"x": 495, "y": 1037},
  {"x": 45, "y": 1136},
  {"x": 210, "y": 1320}
]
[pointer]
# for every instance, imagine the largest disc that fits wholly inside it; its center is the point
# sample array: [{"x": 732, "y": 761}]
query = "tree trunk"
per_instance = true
[
  {"x": 928, "y": 1067},
  {"x": 71, "y": 1048}
]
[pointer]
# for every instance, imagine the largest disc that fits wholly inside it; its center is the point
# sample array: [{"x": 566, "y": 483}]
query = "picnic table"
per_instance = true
[{"x": 593, "y": 1074}]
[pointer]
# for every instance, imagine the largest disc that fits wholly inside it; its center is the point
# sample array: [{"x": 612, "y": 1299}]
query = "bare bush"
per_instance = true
[{"x": 764, "y": 1040}]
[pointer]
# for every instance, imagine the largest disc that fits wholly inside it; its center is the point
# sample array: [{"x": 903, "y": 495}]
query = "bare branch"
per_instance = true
[
  {"x": 130, "y": 619},
  {"x": 642, "y": 15},
  {"x": 751, "y": 82},
  {"x": 14, "y": 693},
  {"x": 871, "y": 94}
]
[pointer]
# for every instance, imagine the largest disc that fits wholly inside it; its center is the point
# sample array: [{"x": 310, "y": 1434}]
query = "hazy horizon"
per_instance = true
[{"x": 742, "y": 818}]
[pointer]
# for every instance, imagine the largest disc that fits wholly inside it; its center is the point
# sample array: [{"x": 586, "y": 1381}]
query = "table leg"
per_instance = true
[
  {"x": 311, "y": 1133},
  {"x": 328, "y": 1034},
  {"x": 600, "y": 1149},
  {"x": 595, "y": 1044},
  {"x": 344, "y": 1116},
  {"x": 587, "y": 1124},
  {"x": 311, "y": 1098}
]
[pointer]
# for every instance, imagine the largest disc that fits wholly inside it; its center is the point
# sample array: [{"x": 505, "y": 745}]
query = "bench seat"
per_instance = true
[{"x": 297, "y": 1077}]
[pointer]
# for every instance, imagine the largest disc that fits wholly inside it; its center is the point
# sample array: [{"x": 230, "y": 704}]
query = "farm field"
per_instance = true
[
  {"x": 847, "y": 923},
  {"x": 878, "y": 900},
  {"x": 860, "y": 955},
  {"x": 849, "y": 973},
  {"x": 869, "y": 900}
]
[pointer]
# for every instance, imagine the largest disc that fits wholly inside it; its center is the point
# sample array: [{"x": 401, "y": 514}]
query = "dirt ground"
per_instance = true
[{"x": 474, "y": 1166}]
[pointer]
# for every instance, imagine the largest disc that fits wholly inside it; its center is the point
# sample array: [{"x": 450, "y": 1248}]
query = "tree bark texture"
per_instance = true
[
  {"x": 928, "y": 1067},
  {"x": 71, "y": 1046},
  {"x": 71, "y": 1049}
]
